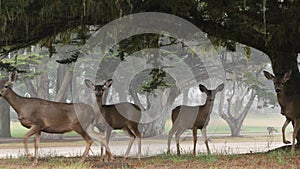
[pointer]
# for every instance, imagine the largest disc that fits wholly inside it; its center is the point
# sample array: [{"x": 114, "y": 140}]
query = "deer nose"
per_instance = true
[
  {"x": 99, "y": 94},
  {"x": 278, "y": 90}
]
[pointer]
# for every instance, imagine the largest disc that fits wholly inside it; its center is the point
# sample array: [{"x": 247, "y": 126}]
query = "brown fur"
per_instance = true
[
  {"x": 52, "y": 117},
  {"x": 290, "y": 105},
  {"x": 122, "y": 116},
  {"x": 196, "y": 117}
]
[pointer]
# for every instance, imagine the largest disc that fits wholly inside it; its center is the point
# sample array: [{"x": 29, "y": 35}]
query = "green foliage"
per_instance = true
[
  {"x": 156, "y": 80},
  {"x": 26, "y": 63},
  {"x": 73, "y": 58},
  {"x": 247, "y": 51}
]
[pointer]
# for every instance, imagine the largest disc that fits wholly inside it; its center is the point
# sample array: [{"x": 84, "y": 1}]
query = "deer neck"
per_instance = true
[
  {"x": 208, "y": 105},
  {"x": 14, "y": 100},
  {"x": 99, "y": 101},
  {"x": 283, "y": 99}
]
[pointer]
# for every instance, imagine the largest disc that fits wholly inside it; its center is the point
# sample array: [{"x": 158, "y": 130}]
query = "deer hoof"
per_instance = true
[{"x": 286, "y": 142}]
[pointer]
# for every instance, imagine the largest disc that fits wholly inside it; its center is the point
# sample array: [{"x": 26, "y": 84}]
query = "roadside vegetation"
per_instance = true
[{"x": 281, "y": 158}]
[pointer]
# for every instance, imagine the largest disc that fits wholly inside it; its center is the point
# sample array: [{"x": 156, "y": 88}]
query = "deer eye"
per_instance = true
[{"x": 5, "y": 86}]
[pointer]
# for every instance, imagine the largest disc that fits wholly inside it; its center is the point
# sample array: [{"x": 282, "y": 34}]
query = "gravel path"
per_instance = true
[{"x": 150, "y": 147}]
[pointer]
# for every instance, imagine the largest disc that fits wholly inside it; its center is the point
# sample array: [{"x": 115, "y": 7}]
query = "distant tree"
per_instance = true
[{"x": 243, "y": 86}]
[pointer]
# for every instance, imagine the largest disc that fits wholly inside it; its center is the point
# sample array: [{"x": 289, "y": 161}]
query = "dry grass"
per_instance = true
[{"x": 282, "y": 158}]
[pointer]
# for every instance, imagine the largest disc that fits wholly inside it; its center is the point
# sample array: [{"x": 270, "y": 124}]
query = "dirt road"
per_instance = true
[{"x": 150, "y": 147}]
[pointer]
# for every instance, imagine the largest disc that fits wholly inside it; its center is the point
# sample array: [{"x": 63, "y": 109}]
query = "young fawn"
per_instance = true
[
  {"x": 290, "y": 104},
  {"x": 193, "y": 117}
]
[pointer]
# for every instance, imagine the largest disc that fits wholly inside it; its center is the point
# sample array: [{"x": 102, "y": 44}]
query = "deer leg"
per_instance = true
[
  {"x": 177, "y": 135},
  {"x": 101, "y": 149},
  {"x": 37, "y": 140},
  {"x": 203, "y": 131},
  {"x": 287, "y": 121},
  {"x": 33, "y": 129},
  {"x": 131, "y": 140},
  {"x": 139, "y": 137},
  {"x": 195, "y": 140},
  {"x": 295, "y": 132},
  {"x": 105, "y": 143},
  {"x": 171, "y": 133},
  {"x": 102, "y": 139},
  {"x": 88, "y": 142},
  {"x": 107, "y": 133}
]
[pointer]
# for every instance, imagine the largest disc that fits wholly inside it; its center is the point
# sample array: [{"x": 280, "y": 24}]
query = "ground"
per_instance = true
[
  {"x": 273, "y": 158},
  {"x": 280, "y": 158}
]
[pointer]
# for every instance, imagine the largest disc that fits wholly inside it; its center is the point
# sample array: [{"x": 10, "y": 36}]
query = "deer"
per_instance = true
[
  {"x": 39, "y": 115},
  {"x": 193, "y": 117},
  {"x": 122, "y": 116},
  {"x": 290, "y": 105}
]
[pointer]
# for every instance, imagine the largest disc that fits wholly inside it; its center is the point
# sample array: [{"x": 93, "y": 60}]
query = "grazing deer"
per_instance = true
[
  {"x": 51, "y": 117},
  {"x": 271, "y": 130},
  {"x": 196, "y": 117},
  {"x": 123, "y": 116},
  {"x": 290, "y": 104}
]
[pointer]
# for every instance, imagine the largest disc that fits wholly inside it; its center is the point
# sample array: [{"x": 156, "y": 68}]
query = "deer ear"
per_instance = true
[
  {"x": 13, "y": 76},
  {"x": 89, "y": 84},
  {"x": 108, "y": 83},
  {"x": 8, "y": 84},
  {"x": 220, "y": 87},
  {"x": 269, "y": 75},
  {"x": 287, "y": 76},
  {"x": 202, "y": 88}
]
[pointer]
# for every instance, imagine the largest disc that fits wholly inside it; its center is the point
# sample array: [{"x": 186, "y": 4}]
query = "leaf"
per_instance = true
[
  {"x": 71, "y": 59},
  {"x": 247, "y": 51}
]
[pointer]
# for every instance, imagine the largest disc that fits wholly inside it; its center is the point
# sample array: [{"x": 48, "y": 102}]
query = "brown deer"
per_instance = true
[
  {"x": 122, "y": 116},
  {"x": 290, "y": 104},
  {"x": 51, "y": 117},
  {"x": 193, "y": 117}
]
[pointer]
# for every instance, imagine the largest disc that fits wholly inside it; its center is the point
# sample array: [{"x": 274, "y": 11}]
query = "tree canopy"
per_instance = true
[{"x": 269, "y": 26}]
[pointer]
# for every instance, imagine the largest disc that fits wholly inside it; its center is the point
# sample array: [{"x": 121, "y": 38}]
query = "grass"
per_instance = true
[{"x": 273, "y": 159}]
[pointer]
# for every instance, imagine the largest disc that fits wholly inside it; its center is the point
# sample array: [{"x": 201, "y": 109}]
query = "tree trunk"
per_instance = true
[
  {"x": 61, "y": 94},
  {"x": 63, "y": 80},
  {"x": 30, "y": 88},
  {"x": 235, "y": 127},
  {"x": 155, "y": 117},
  {"x": 235, "y": 117},
  {"x": 4, "y": 119},
  {"x": 43, "y": 83}
]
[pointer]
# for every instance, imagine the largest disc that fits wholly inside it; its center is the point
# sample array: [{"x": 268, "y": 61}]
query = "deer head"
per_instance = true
[
  {"x": 5, "y": 84},
  {"x": 211, "y": 94},
  {"x": 98, "y": 89},
  {"x": 279, "y": 83}
]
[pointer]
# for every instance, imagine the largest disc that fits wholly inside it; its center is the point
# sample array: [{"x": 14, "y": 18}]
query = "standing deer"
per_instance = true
[
  {"x": 196, "y": 117},
  {"x": 290, "y": 104},
  {"x": 123, "y": 116},
  {"x": 51, "y": 117}
]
